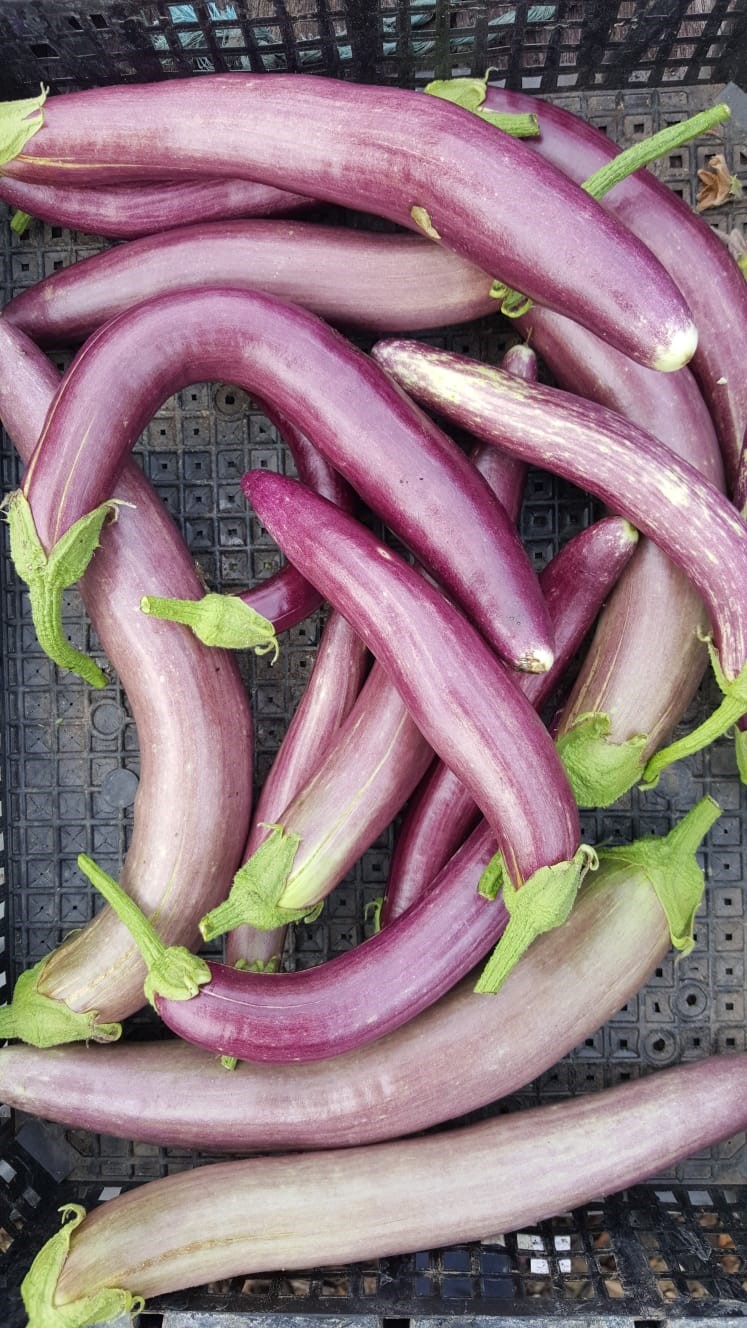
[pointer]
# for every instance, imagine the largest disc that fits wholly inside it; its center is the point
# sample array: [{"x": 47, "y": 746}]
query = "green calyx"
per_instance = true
[
  {"x": 20, "y": 222},
  {"x": 40, "y": 1284},
  {"x": 540, "y": 904},
  {"x": 41, "y": 1021},
  {"x": 173, "y": 971},
  {"x": 217, "y": 620},
  {"x": 669, "y": 863},
  {"x": 731, "y": 709},
  {"x": 257, "y": 888},
  {"x": 599, "y": 771},
  {"x": 470, "y": 93},
  {"x": 47, "y": 575},
  {"x": 740, "y": 749},
  {"x": 19, "y": 121}
]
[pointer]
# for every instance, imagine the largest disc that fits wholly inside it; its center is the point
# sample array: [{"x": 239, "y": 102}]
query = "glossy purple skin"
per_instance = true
[
  {"x": 359, "y": 996},
  {"x": 400, "y": 463},
  {"x": 637, "y": 476},
  {"x": 336, "y": 678},
  {"x": 574, "y": 584},
  {"x": 378, "y": 150},
  {"x": 695, "y": 258},
  {"x": 329, "y": 1209},
  {"x": 122, "y": 212},
  {"x": 384, "y": 283},
  {"x": 642, "y": 690},
  {"x": 194, "y": 797}
]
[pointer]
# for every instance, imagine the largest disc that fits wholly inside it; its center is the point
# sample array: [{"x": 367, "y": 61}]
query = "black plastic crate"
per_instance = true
[{"x": 676, "y": 1248}]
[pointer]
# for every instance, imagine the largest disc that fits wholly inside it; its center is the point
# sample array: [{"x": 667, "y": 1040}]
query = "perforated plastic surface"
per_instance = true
[{"x": 70, "y": 772}]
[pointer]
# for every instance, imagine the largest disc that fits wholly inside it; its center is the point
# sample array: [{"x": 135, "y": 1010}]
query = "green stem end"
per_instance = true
[
  {"x": 47, "y": 575},
  {"x": 540, "y": 904},
  {"x": 41, "y": 1021},
  {"x": 599, "y": 771},
  {"x": 40, "y": 1284},
  {"x": 715, "y": 726},
  {"x": 19, "y": 121},
  {"x": 217, "y": 620},
  {"x": 20, "y": 222},
  {"x": 257, "y": 888},
  {"x": 173, "y": 971}
]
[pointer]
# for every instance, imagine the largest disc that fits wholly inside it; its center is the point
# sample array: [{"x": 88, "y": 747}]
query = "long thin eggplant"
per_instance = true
[
  {"x": 390, "y": 160},
  {"x": 329, "y": 696},
  {"x": 408, "y": 471},
  {"x": 463, "y": 1052},
  {"x": 121, "y": 212},
  {"x": 312, "y": 1210},
  {"x": 666, "y": 498},
  {"x": 371, "y": 767},
  {"x": 385, "y": 283},
  {"x": 194, "y": 796},
  {"x": 628, "y": 697},
  {"x": 574, "y": 584},
  {"x": 686, "y": 246}
]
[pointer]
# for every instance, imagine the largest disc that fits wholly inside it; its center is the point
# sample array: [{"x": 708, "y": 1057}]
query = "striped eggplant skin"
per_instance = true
[
  {"x": 359, "y": 996},
  {"x": 400, "y": 463},
  {"x": 194, "y": 796},
  {"x": 643, "y": 691},
  {"x": 320, "y": 1209},
  {"x": 575, "y": 584},
  {"x": 329, "y": 696},
  {"x": 389, "y": 160},
  {"x": 617, "y": 461},
  {"x": 695, "y": 258},
  {"x": 382, "y": 283},
  {"x": 458, "y": 1055},
  {"x": 371, "y": 767},
  {"x": 121, "y": 212},
  {"x": 462, "y": 699}
]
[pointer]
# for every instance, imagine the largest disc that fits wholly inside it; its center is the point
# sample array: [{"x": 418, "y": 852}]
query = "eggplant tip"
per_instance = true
[
  {"x": 539, "y": 660},
  {"x": 679, "y": 349}
]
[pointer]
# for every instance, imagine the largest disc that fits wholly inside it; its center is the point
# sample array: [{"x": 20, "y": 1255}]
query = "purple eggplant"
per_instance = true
[
  {"x": 693, "y": 255},
  {"x": 574, "y": 585},
  {"x": 173, "y": 1094},
  {"x": 385, "y": 283},
  {"x": 365, "y": 426},
  {"x": 120, "y": 212},
  {"x": 301, "y": 1211},
  {"x": 389, "y": 160},
  {"x": 328, "y": 698},
  {"x": 666, "y": 498},
  {"x": 194, "y": 797}
]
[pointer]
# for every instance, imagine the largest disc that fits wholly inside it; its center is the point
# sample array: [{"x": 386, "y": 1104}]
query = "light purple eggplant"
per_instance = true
[
  {"x": 194, "y": 796},
  {"x": 121, "y": 212},
  {"x": 628, "y": 697},
  {"x": 384, "y": 283},
  {"x": 390, "y": 160},
  {"x": 321, "y": 1209},
  {"x": 684, "y": 243},
  {"x": 574, "y": 584},
  {"x": 330, "y": 693},
  {"x": 408, "y": 471},
  {"x": 371, "y": 766},
  {"x": 637, "y": 476},
  {"x": 460, "y": 1054}
]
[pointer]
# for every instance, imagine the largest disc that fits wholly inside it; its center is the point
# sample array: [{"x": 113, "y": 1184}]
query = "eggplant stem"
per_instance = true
[
  {"x": 40, "y": 1284},
  {"x": 257, "y": 888},
  {"x": 42, "y": 1021},
  {"x": 47, "y": 575},
  {"x": 217, "y": 620},
  {"x": 19, "y": 121},
  {"x": 715, "y": 726},
  {"x": 543, "y": 902},
  {"x": 669, "y": 863},
  {"x": 20, "y": 221},
  {"x": 173, "y": 971}
]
